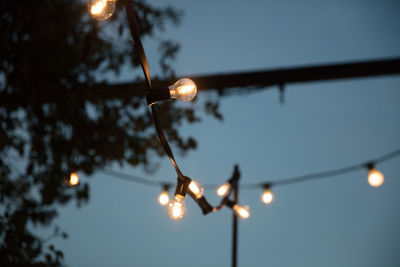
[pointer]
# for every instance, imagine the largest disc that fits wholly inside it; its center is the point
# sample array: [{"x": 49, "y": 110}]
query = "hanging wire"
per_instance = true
[
  {"x": 325, "y": 174},
  {"x": 138, "y": 47},
  {"x": 285, "y": 181},
  {"x": 135, "y": 179}
]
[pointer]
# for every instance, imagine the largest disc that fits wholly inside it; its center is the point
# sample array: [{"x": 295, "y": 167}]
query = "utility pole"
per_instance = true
[{"x": 235, "y": 188}]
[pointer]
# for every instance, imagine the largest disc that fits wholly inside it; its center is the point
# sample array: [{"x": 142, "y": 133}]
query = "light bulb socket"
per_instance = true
[
  {"x": 182, "y": 186},
  {"x": 156, "y": 95},
  {"x": 370, "y": 165},
  {"x": 267, "y": 186},
  {"x": 166, "y": 187},
  {"x": 229, "y": 203},
  {"x": 202, "y": 202}
]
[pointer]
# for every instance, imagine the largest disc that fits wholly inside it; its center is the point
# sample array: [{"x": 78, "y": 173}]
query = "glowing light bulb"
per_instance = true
[
  {"x": 242, "y": 211},
  {"x": 176, "y": 208},
  {"x": 196, "y": 189},
  {"x": 375, "y": 178},
  {"x": 267, "y": 197},
  {"x": 184, "y": 90},
  {"x": 73, "y": 179},
  {"x": 101, "y": 9},
  {"x": 223, "y": 189},
  {"x": 163, "y": 198}
]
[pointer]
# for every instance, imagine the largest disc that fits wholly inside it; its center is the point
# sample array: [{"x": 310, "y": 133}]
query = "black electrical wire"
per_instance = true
[
  {"x": 286, "y": 181},
  {"x": 325, "y": 174},
  {"x": 138, "y": 47},
  {"x": 135, "y": 179}
]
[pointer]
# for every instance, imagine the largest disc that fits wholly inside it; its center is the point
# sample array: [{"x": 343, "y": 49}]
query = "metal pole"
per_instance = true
[{"x": 235, "y": 224}]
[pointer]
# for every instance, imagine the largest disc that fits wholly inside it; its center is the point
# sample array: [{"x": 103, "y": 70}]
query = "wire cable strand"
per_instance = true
[
  {"x": 285, "y": 181},
  {"x": 135, "y": 179},
  {"x": 326, "y": 174},
  {"x": 138, "y": 47}
]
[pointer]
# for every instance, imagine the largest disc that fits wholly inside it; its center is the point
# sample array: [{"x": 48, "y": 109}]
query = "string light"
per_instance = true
[
  {"x": 184, "y": 90},
  {"x": 242, "y": 211},
  {"x": 196, "y": 189},
  {"x": 101, "y": 9},
  {"x": 176, "y": 208},
  {"x": 163, "y": 198},
  {"x": 267, "y": 197},
  {"x": 73, "y": 179},
  {"x": 375, "y": 177},
  {"x": 223, "y": 190}
]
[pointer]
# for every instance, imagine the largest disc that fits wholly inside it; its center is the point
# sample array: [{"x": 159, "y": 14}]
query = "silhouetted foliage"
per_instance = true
[{"x": 50, "y": 50}]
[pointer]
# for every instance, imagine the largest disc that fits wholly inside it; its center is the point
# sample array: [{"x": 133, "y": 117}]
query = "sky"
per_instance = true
[{"x": 322, "y": 125}]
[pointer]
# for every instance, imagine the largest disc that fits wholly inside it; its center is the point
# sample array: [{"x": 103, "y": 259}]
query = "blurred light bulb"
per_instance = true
[
  {"x": 242, "y": 211},
  {"x": 223, "y": 189},
  {"x": 184, "y": 90},
  {"x": 101, "y": 9},
  {"x": 267, "y": 197},
  {"x": 163, "y": 198},
  {"x": 176, "y": 208},
  {"x": 73, "y": 179},
  {"x": 196, "y": 189},
  {"x": 375, "y": 178}
]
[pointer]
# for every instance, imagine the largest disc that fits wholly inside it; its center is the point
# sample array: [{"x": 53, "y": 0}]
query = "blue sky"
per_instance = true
[{"x": 333, "y": 222}]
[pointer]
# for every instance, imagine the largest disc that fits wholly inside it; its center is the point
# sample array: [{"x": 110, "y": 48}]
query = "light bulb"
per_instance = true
[
  {"x": 101, "y": 9},
  {"x": 176, "y": 208},
  {"x": 163, "y": 198},
  {"x": 375, "y": 178},
  {"x": 242, "y": 211},
  {"x": 267, "y": 197},
  {"x": 223, "y": 189},
  {"x": 196, "y": 189},
  {"x": 184, "y": 90},
  {"x": 73, "y": 179}
]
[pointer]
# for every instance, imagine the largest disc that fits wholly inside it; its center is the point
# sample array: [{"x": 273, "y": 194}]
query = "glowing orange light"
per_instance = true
[
  {"x": 163, "y": 198},
  {"x": 101, "y": 9},
  {"x": 375, "y": 178},
  {"x": 73, "y": 179},
  {"x": 243, "y": 212},
  {"x": 184, "y": 90},
  {"x": 223, "y": 189},
  {"x": 176, "y": 208},
  {"x": 267, "y": 197},
  {"x": 196, "y": 188}
]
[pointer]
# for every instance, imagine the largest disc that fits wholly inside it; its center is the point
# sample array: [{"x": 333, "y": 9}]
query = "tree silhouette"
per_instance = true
[{"x": 53, "y": 121}]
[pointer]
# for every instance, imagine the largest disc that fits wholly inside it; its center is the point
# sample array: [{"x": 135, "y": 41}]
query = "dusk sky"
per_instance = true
[{"x": 341, "y": 221}]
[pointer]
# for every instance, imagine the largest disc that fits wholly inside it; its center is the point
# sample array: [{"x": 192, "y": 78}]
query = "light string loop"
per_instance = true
[{"x": 138, "y": 47}]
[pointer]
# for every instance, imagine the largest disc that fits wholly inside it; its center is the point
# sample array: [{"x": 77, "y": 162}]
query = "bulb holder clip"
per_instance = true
[
  {"x": 370, "y": 165},
  {"x": 267, "y": 186},
  {"x": 166, "y": 187},
  {"x": 156, "y": 95},
  {"x": 202, "y": 202},
  {"x": 182, "y": 186},
  {"x": 229, "y": 203}
]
